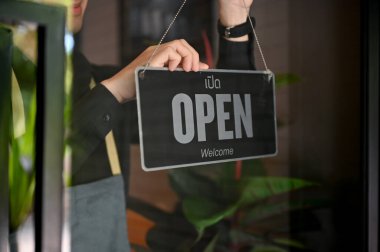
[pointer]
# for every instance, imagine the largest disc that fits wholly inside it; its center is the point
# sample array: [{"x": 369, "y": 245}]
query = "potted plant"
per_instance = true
[
  {"x": 218, "y": 211},
  {"x": 230, "y": 207}
]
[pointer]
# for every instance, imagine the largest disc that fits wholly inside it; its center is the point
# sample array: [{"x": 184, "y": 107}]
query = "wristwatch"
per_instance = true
[{"x": 236, "y": 31}]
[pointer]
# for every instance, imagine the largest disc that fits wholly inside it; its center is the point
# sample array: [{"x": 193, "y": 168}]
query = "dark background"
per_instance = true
[{"x": 321, "y": 115}]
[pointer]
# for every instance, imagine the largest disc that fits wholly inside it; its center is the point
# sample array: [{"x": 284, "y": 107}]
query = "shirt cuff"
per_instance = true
[
  {"x": 236, "y": 55},
  {"x": 94, "y": 116}
]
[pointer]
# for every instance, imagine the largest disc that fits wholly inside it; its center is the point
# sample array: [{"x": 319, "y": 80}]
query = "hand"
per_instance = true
[
  {"x": 177, "y": 53},
  {"x": 233, "y": 12}
]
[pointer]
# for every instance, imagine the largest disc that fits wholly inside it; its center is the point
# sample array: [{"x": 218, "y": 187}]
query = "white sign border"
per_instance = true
[{"x": 145, "y": 168}]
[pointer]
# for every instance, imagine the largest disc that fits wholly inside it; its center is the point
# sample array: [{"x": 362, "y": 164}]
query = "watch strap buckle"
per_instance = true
[{"x": 227, "y": 32}]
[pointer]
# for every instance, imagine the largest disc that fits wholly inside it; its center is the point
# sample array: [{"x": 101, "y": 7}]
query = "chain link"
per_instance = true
[
  {"x": 174, "y": 19},
  {"x": 256, "y": 38},
  {"x": 162, "y": 38}
]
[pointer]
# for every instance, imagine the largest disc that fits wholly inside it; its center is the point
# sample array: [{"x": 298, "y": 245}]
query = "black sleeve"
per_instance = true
[
  {"x": 236, "y": 55},
  {"x": 94, "y": 115},
  {"x": 133, "y": 123},
  {"x": 129, "y": 119}
]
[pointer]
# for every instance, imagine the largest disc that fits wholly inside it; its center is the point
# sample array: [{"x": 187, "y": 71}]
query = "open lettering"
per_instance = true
[{"x": 206, "y": 111}]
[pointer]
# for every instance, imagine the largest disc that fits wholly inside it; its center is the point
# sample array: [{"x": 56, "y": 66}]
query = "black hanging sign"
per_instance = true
[{"x": 205, "y": 117}]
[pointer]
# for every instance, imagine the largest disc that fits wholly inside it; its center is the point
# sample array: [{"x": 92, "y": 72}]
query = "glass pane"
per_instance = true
[
  {"x": 27, "y": 97},
  {"x": 307, "y": 198}
]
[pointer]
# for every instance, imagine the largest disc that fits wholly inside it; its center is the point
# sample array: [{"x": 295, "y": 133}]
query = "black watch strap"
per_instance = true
[{"x": 236, "y": 31}]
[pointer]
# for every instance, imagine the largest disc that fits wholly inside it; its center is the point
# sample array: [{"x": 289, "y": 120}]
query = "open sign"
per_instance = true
[
  {"x": 204, "y": 108},
  {"x": 206, "y": 117}
]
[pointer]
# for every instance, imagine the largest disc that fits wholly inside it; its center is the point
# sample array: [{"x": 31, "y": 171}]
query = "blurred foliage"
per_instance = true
[
  {"x": 230, "y": 214},
  {"x": 283, "y": 80},
  {"x": 220, "y": 211},
  {"x": 21, "y": 166},
  {"x": 21, "y": 169}
]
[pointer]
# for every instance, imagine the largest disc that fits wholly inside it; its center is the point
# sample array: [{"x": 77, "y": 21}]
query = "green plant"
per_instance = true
[
  {"x": 213, "y": 217},
  {"x": 21, "y": 138},
  {"x": 233, "y": 207},
  {"x": 234, "y": 214},
  {"x": 219, "y": 211},
  {"x": 21, "y": 166},
  {"x": 22, "y": 135}
]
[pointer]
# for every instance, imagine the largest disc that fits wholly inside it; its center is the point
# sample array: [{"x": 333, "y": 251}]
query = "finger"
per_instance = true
[
  {"x": 174, "y": 59},
  {"x": 186, "y": 54},
  {"x": 167, "y": 56},
  {"x": 203, "y": 66},
  {"x": 194, "y": 53}
]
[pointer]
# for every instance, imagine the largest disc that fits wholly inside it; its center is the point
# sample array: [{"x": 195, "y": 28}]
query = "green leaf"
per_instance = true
[
  {"x": 21, "y": 189},
  {"x": 22, "y": 179},
  {"x": 283, "y": 80},
  {"x": 289, "y": 243},
  {"x": 228, "y": 182},
  {"x": 211, "y": 246},
  {"x": 203, "y": 213},
  {"x": 21, "y": 170},
  {"x": 24, "y": 69},
  {"x": 240, "y": 237},
  {"x": 256, "y": 189},
  {"x": 26, "y": 141}
]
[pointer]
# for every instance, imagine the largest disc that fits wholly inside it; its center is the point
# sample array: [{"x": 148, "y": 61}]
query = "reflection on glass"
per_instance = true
[
  {"x": 242, "y": 206},
  {"x": 274, "y": 205}
]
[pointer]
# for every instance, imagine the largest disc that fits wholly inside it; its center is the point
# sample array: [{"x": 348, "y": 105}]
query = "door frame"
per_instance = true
[
  {"x": 51, "y": 21},
  {"x": 370, "y": 118}
]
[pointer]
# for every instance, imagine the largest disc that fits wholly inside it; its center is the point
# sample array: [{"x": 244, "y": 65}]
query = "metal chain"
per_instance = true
[
  {"x": 174, "y": 19},
  {"x": 256, "y": 38},
  {"x": 162, "y": 38}
]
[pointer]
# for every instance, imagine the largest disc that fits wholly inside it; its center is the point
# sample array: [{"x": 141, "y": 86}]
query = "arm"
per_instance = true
[
  {"x": 97, "y": 112},
  {"x": 94, "y": 115},
  {"x": 235, "y": 53},
  {"x": 173, "y": 54}
]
